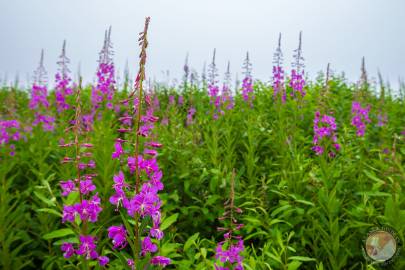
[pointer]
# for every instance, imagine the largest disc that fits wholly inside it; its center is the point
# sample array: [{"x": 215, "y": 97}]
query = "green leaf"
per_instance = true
[
  {"x": 50, "y": 211},
  {"x": 302, "y": 259},
  {"x": 169, "y": 221},
  {"x": 294, "y": 265},
  {"x": 58, "y": 233},
  {"x": 45, "y": 200},
  {"x": 190, "y": 241}
]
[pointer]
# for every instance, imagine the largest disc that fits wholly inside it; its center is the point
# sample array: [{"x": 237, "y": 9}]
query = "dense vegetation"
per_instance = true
[{"x": 300, "y": 210}]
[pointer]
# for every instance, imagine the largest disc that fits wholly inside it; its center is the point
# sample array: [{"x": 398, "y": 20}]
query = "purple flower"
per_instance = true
[
  {"x": 91, "y": 164},
  {"x": 131, "y": 263},
  {"x": 232, "y": 254},
  {"x": 69, "y": 213},
  {"x": 148, "y": 246},
  {"x": 360, "y": 117},
  {"x": 87, "y": 247},
  {"x": 118, "y": 235},
  {"x": 160, "y": 260},
  {"x": 247, "y": 90},
  {"x": 118, "y": 150},
  {"x": 103, "y": 260},
  {"x": 324, "y": 133},
  {"x": 88, "y": 210},
  {"x": 67, "y": 187},
  {"x": 86, "y": 186},
  {"x": 68, "y": 250},
  {"x": 144, "y": 203}
]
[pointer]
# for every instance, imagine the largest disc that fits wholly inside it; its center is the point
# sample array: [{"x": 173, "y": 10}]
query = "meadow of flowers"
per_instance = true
[{"x": 208, "y": 174}]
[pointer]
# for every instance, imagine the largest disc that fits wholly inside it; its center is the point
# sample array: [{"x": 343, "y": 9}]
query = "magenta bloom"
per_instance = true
[
  {"x": 68, "y": 214},
  {"x": 297, "y": 82},
  {"x": 360, "y": 118},
  {"x": 160, "y": 260},
  {"x": 87, "y": 186},
  {"x": 118, "y": 235},
  {"x": 88, "y": 210},
  {"x": 68, "y": 250},
  {"x": 67, "y": 187},
  {"x": 103, "y": 260},
  {"x": 324, "y": 134},
  {"x": 231, "y": 255},
  {"x": 247, "y": 90},
  {"x": 118, "y": 150},
  {"x": 148, "y": 246},
  {"x": 87, "y": 247}
]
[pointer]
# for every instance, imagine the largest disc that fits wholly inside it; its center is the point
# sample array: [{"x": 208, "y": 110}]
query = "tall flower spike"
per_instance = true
[
  {"x": 247, "y": 84},
  {"x": 140, "y": 200},
  {"x": 278, "y": 73},
  {"x": 297, "y": 82},
  {"x": 247, "y": 66},
  {"x": 298, "y": 63},
  {"x": 278, "y": 55},
  {"x": 88, "y": 206},
  {"x": 186, "y": 70},
  {"x": 226, "y": 93},
  {"x": 40, "y": 74},
  {"x": 228, "y": 251},
  {"x": 104, "y": 90},
  {"x": 62, "y": 81},
  {"x": 39, "y": 102},
  {"x": 204, "y": 75},
  {"x": 212, "y": 71}
]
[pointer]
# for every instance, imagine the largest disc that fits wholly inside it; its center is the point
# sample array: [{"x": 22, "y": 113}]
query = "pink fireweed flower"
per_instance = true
[
  {"x": 62, "y": 81},
  {"x": 148, "y": 246},
  {"x": 278, "y": 83},
  {"x": 324, "y": 134},
  {"x": 247, "y": 90},
  {"x": 87, "y": 247},
  {"x": 68, "y": 250},
  {"x": 104, "y": 90},
  {"x": 140, "y": 199},
  {"x": 88, "y": 210},
  {"x": 67, "y": 187},
  {"x": 103, "y": 260},
  {"x": 118, "y": 234},
  {"x": 9, "y": 132},
  {"x": 297, "y": 83},
  {"x": 86, "y": 186},
  {"x": 231, "y": 254},
  {"x": 190, "y": 114},
  {"x": 160, "y": 261},
  {"x": 360, "y": 117}
]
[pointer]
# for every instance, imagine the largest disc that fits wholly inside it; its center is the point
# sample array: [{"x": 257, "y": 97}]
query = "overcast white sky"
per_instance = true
[{"x": 335, "y": 31}]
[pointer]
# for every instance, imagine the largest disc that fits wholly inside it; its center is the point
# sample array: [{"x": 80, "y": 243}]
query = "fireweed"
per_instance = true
[
  {"x": 9, "y": 132},
  {"x": 213, "y": 89},
  {"x": 325, "y": 137},
  {"x": 104, "y": 90},
  {"x": 247, "y": 83},
  {"x": 228, "y": 251},
  {"x": 63, "y": 89},
  {"x": 226, "y": 98},
  {"x": 38, "y": 102},
  {"x": 81, "y": 214},
  {"x": 360, "y": 118},
  {"x": 278, "y": 74},
  {"x": 297, "y": 81},
  {"x": 140, "y": 200}
]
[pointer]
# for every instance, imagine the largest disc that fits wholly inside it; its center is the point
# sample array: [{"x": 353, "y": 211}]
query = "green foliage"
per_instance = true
[{"x": 300, "y": 211}]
